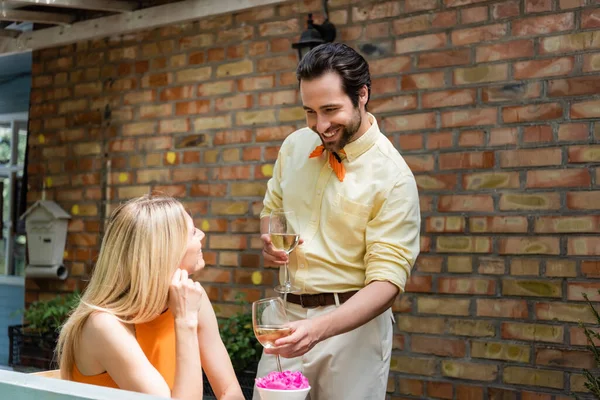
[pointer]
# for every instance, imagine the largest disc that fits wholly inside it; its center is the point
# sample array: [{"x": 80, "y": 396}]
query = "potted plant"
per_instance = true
[{"x": 32, "y": 344}]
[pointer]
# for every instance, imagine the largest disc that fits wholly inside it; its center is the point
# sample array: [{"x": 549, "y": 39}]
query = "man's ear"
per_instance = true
[{"x": 363, "y": 95}]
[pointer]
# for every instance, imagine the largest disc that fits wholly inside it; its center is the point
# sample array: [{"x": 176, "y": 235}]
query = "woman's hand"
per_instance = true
[{"x": 185, "y": 297}]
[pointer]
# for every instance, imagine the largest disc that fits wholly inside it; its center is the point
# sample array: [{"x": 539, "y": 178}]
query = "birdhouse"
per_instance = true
[{"x": 46, "y": 229}]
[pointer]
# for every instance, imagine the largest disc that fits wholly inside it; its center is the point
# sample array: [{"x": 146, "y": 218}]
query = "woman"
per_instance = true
[{"x": 142, "y": 325}]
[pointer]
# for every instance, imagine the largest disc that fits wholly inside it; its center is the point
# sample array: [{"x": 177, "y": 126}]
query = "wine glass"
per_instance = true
[
  {"x": 284, "y": 237},
  {"x": 268, "y": 320}
]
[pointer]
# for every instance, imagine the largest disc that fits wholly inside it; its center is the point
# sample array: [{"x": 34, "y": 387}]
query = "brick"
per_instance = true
[
  {"x": 558, "y": 178},
  {"x": 481, "y": 74},
  {"x": 273, "y": 133},
  {"x": 204, "y": 190},
  {"x": 564, "y": 358},
  {"x": 491, "y": 180},
  {"x": 502, "y": 308},
  {"x": 232, "y": 173},
  {"x": 478, "y": 286},
  {"x": 443, "y": 306},
  {"x": 544, "y": 68},
  {"x": 528, "y": 245},
  {"x": 462, "y": 203},
  {"x": 473, "y": 15},
  {"x": 437, "y": 346},
  {"x": 577, "y": 336},
  {"x": 157, "y": 80},
  {"x": 586, "y": 109},
  {"x": 429, "y": 182},
  {"x": 279, "y": 63},
  {"x": 566, "y": 312},
  {"x": 419, "y": 284},
  {"x": 510, "y": 92},
  {"x": 472, "y": 328},
  {"x": 156, "y": 110},
  {"x": 567, "y": 4},
  {"x": 477, "y": 35},
  {"x": 439, "y": 140},
  {"x": 448, "y": 98},
  {"x": 444, "y": 58},
  {"x": 491, "y": 266},
  {"x": 255, "y": 117},
  {"x": 500, "y": 351},
  {"x": 504, "y": 51},
  {"x": 193, "y": 75},
  {"x": 499, "y": 224},
  {"x": 248, "y": 189},
  {"x": 243, "y": 67},
  {"x": 291, "y": 114},
  {"x": 590, "y": 18},
  {"x": 419, "y": 5},
  {"x": 255, "y": 14},
  {"x": 536, "y": 112},
  {"x": 573, "y": 86},
  {"x": 413, "y": 365},
  {"x": 410, "y": 386},
  {"x": 469, "y": 392},
  {"x": 537, "y": 134},
  {"x": 421, "y": 43},
  {"x": 395, "y": 103},
  {"x": 384, "y": 85},
  {"x": 284, "y": 97},
  {"x": 146, "y": 96},
  {"x": 471, "y": 138},
  {"x": 439, "y": 390},
  {"x": 577, "y": 383},
  {"x": 236, "y": 34},
  {"x": 469, "y": 371},
  {"x": 525, "y": 267},
  {"x": 466, "y": 160},
  {"x": 543, "y": 25},
  {"x": 409, "y": 122},
  {"x": 408, "y": 323},
  {"x": 445, "y": 224},
  {"x": 503, "y": 136},
  {"x": 576, "y": 290},
  {"x": 178, "y": 93},
  {"x": 231, "y": 137},
  {"x": 472, "y": 117},
  {"x": 573, "y": 132},
  {"x": 392, "y": 65},
  {"x": 570, "y": 43},
  {"x": 375, "y": 11},
  {"x": 215, "y": 88},
  {"x": 213, "y": 122},
  {"x": 411, "y": 141},
  {"x": 590, "y": 269},
  {"x": 532, "y": 332},
  {"x": 587, "y": 200},
  {"x": 459, "y": 264},
  {"x": 463, "y": 244},
  {"x": 524, "y": 288},
  {"x": 277, "y": 28},
  {"x": 505, "y": 9},
  {"x": 583, "y": 246},
  {"x": 572, "y": 224},
  {"x": 530, "y": 158}
]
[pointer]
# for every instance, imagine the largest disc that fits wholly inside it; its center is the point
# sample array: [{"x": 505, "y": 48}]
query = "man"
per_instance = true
[{"x": 358, "y": 215}]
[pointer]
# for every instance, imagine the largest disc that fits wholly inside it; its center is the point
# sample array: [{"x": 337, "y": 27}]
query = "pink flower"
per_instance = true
[{"x": 286, "y": 380}]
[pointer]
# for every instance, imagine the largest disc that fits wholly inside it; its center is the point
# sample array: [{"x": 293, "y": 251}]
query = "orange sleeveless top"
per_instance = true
[{"x": 157, "y": 340}]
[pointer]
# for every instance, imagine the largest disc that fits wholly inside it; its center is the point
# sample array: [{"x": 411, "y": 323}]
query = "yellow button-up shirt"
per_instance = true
[{"x": 363, "y": 229}]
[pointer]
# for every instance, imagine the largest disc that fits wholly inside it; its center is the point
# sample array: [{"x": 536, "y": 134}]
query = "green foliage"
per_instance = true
[
  {"x": 238, "y": 336},
  {"x": 47, "y": 316},
  {"x": 592, "y": 382}
]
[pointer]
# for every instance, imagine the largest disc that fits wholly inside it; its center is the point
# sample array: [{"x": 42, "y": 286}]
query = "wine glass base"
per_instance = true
[{"x": 286, "y": 289}]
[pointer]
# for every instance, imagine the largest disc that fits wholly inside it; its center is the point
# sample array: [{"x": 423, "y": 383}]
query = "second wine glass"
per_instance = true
[
  {"x": 268, "y": 321},
  {"x": 282, "y": 229}
]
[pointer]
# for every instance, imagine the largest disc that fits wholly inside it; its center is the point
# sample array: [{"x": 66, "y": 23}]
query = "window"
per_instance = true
[{"x": 13, "y": 145}]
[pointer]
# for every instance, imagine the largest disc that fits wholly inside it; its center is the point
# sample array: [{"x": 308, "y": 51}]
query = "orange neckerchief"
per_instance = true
[{"x": 334, "y": 160}]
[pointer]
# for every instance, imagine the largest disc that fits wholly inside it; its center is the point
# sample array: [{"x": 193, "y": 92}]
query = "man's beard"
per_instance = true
[{"x": 348, "y": 132}]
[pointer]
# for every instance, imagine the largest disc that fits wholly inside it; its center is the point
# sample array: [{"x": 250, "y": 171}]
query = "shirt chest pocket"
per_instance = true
[{"x": 347, "y": 221}]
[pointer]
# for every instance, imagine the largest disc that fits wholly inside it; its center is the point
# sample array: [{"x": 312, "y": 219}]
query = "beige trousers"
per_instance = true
[{"x": 351, "y": 366}]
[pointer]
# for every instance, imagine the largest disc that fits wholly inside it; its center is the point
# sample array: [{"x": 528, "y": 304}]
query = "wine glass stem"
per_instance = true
[
  {"x": 286, "y": 276},
  {"x": 278, "y": 363}
]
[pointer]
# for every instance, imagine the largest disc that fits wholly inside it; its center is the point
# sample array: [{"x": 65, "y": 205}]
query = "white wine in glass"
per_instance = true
[
  {"x": 284, "y": 237},
  {"x": 268, "y": 321}
]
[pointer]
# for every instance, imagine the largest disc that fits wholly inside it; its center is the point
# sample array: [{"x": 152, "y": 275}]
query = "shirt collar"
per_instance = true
[{"x": 359, "y": 146}]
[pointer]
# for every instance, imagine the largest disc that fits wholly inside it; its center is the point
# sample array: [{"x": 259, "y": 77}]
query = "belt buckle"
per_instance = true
[{"x": 301, "y": 296}]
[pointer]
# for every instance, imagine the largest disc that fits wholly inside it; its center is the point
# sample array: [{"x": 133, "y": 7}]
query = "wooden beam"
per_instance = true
[
  {"x": 36, "y": 16},
  {"x": 134, "y": 21},
  {"x": 98, "y": 5}
]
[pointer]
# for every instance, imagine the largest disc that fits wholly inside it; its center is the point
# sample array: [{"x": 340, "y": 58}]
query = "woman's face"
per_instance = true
[{"x": 192, "y": 259}]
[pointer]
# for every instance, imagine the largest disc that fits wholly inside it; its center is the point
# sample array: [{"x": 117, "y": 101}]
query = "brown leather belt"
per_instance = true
[{"x": 318, "y": 300}]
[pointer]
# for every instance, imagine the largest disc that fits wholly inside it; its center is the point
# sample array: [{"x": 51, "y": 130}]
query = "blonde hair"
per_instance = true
[{"x": 143, "y": 245}]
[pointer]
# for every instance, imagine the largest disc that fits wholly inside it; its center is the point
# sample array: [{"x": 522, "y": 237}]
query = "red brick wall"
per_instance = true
[{"x": 492, "y": 103}]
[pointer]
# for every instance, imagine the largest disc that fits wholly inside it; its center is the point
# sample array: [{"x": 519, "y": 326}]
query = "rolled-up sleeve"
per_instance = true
[
  {"x": 273, "y": 196},
  {"x": 392, "y": 236}
]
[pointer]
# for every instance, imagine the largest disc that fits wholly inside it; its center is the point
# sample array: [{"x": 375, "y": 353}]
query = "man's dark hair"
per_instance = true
[{"x": 341, "y": 59}]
